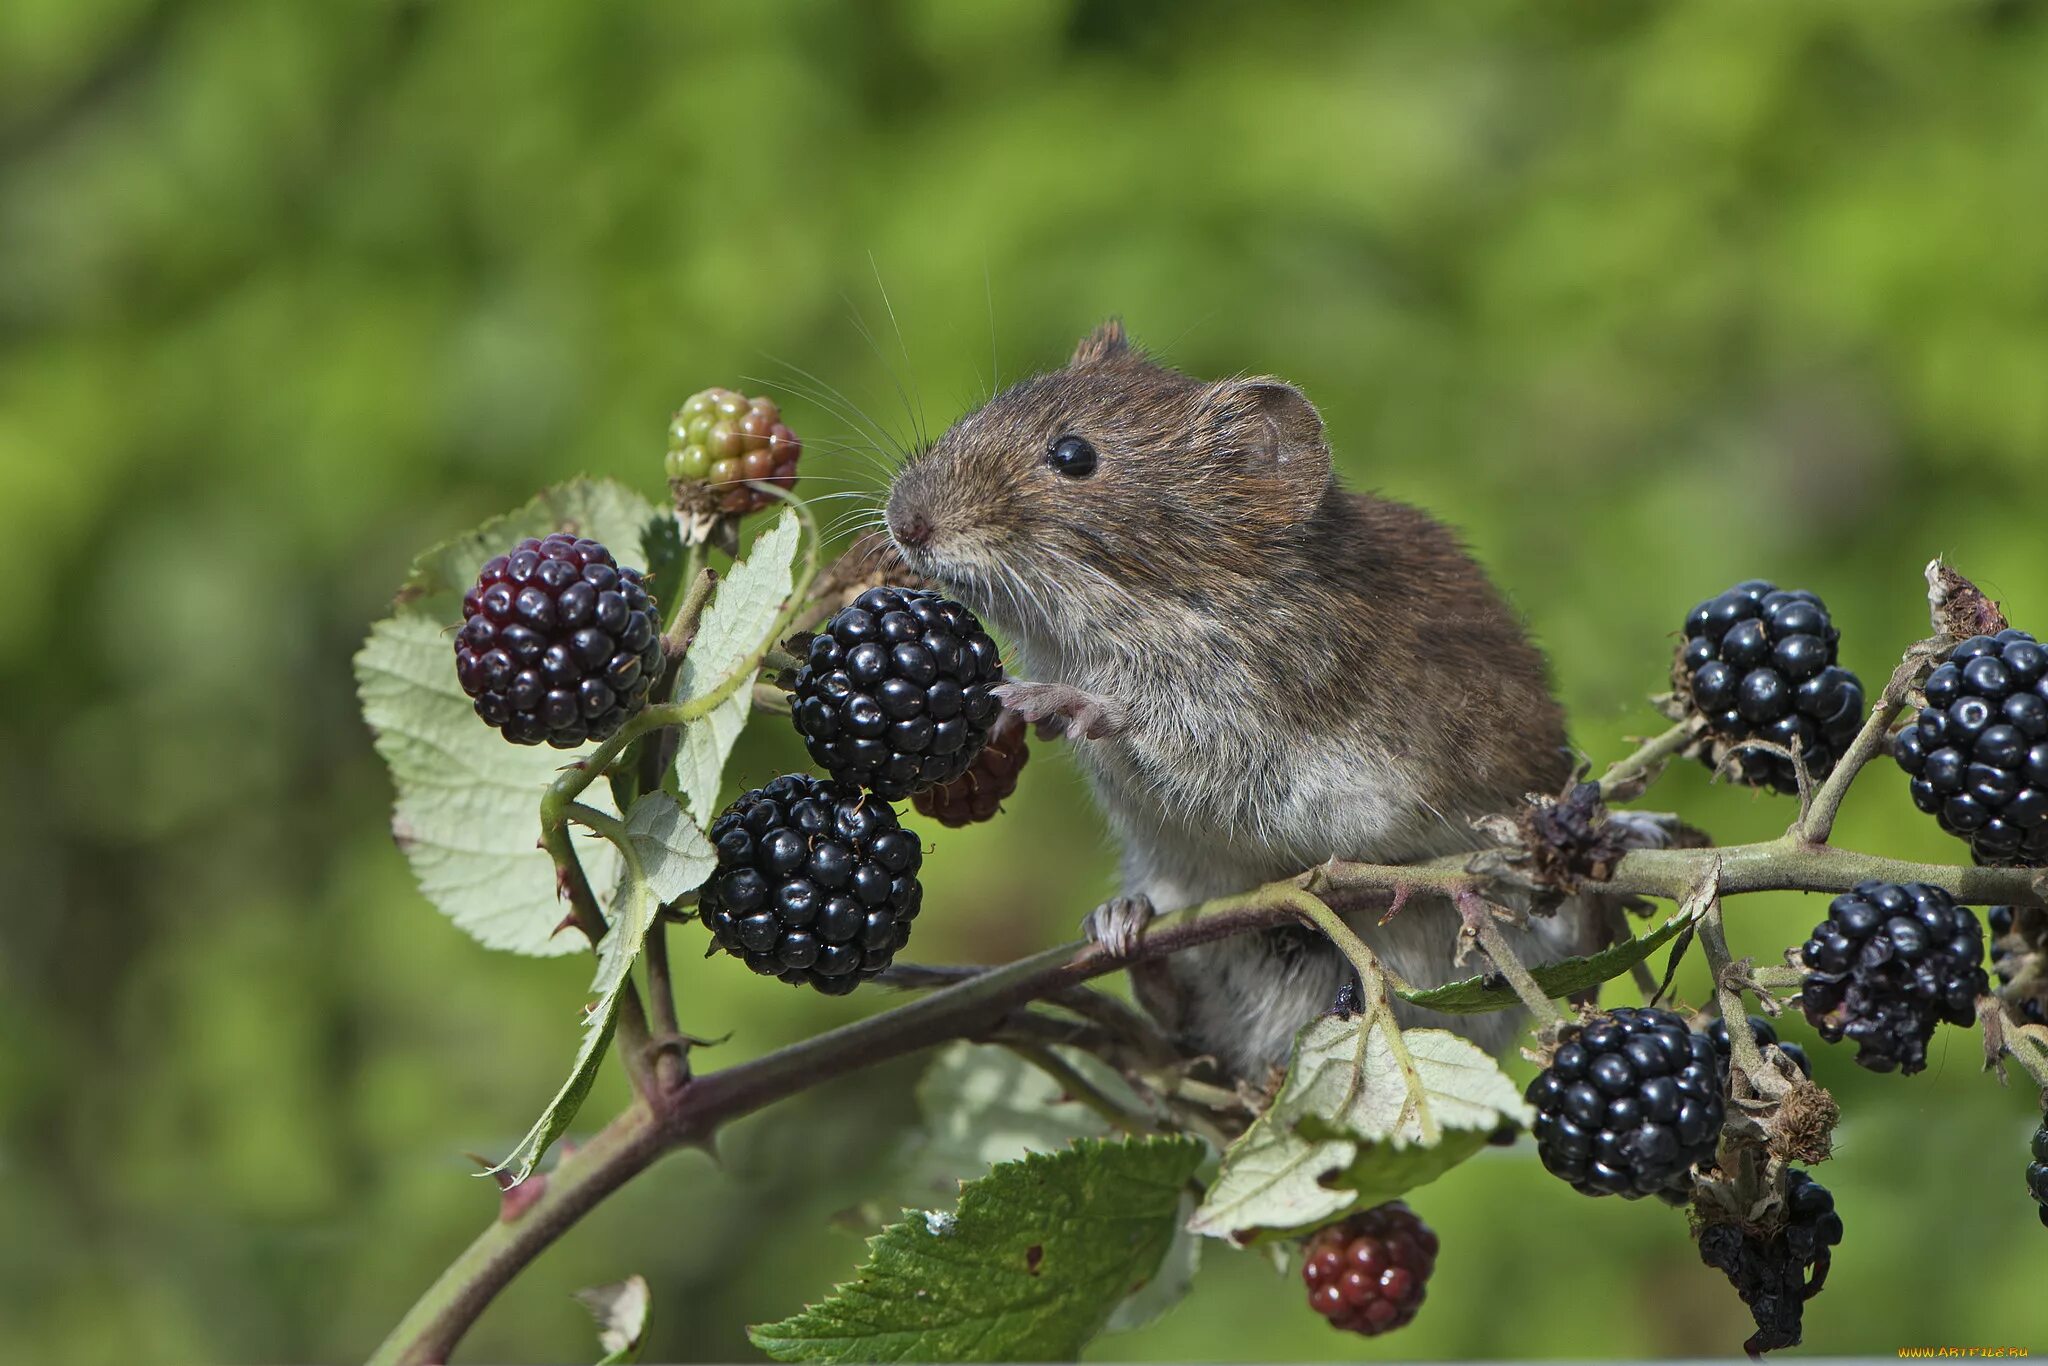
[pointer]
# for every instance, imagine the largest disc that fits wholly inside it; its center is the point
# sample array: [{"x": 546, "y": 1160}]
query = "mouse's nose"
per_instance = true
[{"x": 910, "y": 528}]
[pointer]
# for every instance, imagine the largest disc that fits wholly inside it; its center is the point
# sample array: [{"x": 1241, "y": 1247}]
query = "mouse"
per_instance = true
[{"x": 1256, "y": 669}]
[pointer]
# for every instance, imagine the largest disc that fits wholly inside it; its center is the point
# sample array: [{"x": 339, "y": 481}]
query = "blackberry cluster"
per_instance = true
[
  {"x": 1769, "y": 1269},
  {"x": 980, "y": 792},
  {"x": 1369, "y": 1273},
  {"x": 1759, "y": 663},
  {"x": 2037, "y": 1170},
  {"x": 558, "y": 643},
  {"x": 2010, "y": 955},
  {"x": 1978, "y": 753},
  {"x": 1889, "y": 963},
  {"x": 723, "y": 438},
  {"x": 1629, "y": 1105},
  {"x": 898, "y": 693},
  {"x": 815, "y": 883}
]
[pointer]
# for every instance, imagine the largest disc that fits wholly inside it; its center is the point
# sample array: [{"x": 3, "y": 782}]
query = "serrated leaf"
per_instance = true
[
  {"x": 466, "y": 810},
  {"x": 983, "y": 1105},
  {"x": 1030, "y": 1268},
  {"x": 1476, "y": 995},
  {"x": 670, "y": 857},
  {"x": 620, "y": 1311},
  {"x": 741, "y": 613},
  {"x": 554, "y": 1121},
  {"x": 1357, "y": 1084}
]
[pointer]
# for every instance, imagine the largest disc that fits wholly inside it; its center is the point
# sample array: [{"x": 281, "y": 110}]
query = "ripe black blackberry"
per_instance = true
[
  {"x": 1768, "y": 1265},
  {"x": 1889, "y": 963},
  {"x": 898, "y": 693},
  {"x": 1369, "y": 1273},
  {"x": 980, "y": 792},
  {"x": 816, "y": 883},
  {"x": 558, "y": 642},
  {"x": 1759, "y": 664},
  {"x": 2015, "y": 961},
  {"x": 2037, "y": 1170},
  {"x": 1629, "y": 1104},
  {"x": 1978, "y": 751}
]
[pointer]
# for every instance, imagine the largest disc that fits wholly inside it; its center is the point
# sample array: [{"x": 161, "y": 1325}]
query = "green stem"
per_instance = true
[
  {"x": 1635, "y": 772},
  {"x": 1817, "y": 822},
  {"x": 1477, "y": 914}
]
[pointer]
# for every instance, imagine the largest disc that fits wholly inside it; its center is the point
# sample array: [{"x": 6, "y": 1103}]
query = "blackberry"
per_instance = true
[
  {"x": 722, "y": 438},
  {"x": 1629, "y": 1104},
  {"x": 1768, "y": 1265},
  {"x": 1369, "y": 1273},
  {"x": 2013, "y": 958},
  {"x": 979, "y": 793},
  {"x": 816, "y": 883},
  {"x": 1765, "y": 1035},
  {"x": 1889, "y": 963},
  {"x": 898, "y": 693},
  {"x": 1759, "y": 664},
  {"x": 2037, "y": 1170},
  {"x": 558, "y": 643},
  {"x": 1978, "y": 751}
]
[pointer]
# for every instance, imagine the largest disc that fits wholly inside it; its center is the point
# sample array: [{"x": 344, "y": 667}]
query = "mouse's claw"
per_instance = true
[
  {"x": 1058, "y": 709},
  {"x": 1118, "y": 923}
]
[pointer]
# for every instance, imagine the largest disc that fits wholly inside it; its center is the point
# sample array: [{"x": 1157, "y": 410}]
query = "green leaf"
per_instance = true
[
  {"x": 1031, "y": 1267},
  {"x": 598, "y": 1023},
  {"x": 621, "y": 1314},
  {"x": 1366, "y": 1112},
  {"x": 670, "y": 858},
  {"x": 740, "y": 615},
  {"x": 467, "y": 805},
  {"x": 983, "y": 1105},
  {"x": 1476, "y": 995}
]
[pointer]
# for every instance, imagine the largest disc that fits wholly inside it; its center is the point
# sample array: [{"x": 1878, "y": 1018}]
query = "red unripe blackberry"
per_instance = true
[
  {"x": 1889, "y": 963},
  {"x": 979, "y": 793},
  {"x": 1369, "y": 1273},
  {"x": 722, "y": 438},
  {"x": 558, "y": 642},
  {"x": 1759, "y": 664},
  {"x": 898, "y": 692},
  {"x": 816, "y": 883},
  {"x": 1978, "y": 751}
]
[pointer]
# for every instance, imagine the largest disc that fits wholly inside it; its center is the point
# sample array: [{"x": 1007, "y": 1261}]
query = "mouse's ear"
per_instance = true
[
  {"x": 1271, "y": 425},
  {"x": 1104, "y": 344}
]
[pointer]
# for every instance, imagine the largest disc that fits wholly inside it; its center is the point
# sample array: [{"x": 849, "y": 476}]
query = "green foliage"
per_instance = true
[
  {"x": 1030, "y": 1267},
  {"x": 465, "y": 811},
  {"x": 1367, "y": 1112},
  {"x": 982, "y": 1105},
  {"x": 1474, "y": 995}
]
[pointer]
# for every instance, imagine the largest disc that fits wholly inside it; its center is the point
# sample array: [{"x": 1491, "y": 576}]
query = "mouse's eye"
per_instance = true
[{"x": 1071, "y": 456}]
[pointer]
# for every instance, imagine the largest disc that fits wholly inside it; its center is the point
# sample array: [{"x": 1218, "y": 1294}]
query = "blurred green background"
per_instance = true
[{"x": 1646, "y": 298}]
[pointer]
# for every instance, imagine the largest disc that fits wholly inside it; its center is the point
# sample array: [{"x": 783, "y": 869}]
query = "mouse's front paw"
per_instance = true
[
  {"x": 1058, "y": 709},
  {"x": 1118, "y": 923}
]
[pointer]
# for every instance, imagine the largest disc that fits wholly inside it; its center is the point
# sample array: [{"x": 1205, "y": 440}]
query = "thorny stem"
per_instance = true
[
  {"x": 1081, "y": 1090},
  {"x": 1478, "y": 917},
  {"x": 1644, "y": 765},
  {"x": 1747, "y": 1058}
]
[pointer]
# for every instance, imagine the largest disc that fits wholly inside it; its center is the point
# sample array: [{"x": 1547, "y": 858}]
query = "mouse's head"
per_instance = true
[{"x": 1113, "y": 490}]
